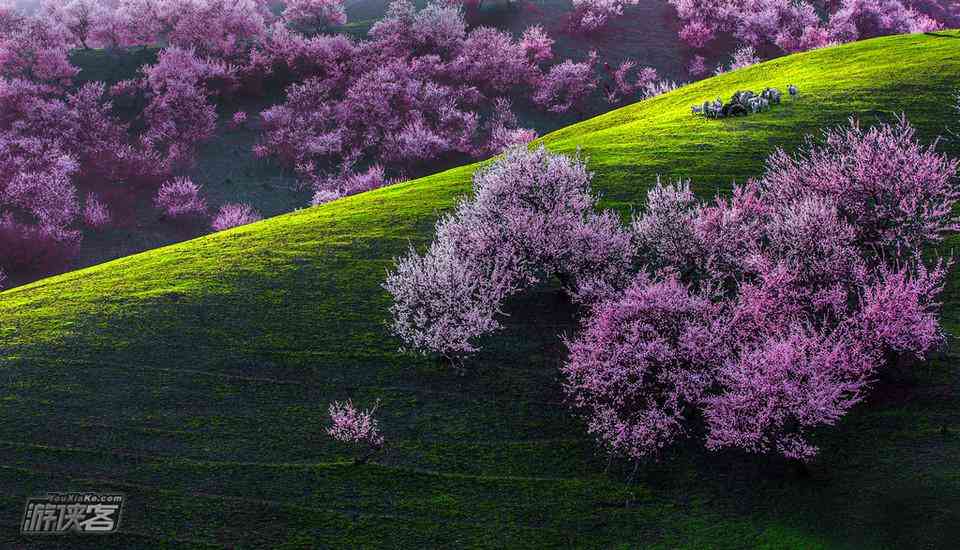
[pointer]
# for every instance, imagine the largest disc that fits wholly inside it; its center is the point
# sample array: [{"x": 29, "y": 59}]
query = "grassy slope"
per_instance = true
[{"x": 195, "y": 377}]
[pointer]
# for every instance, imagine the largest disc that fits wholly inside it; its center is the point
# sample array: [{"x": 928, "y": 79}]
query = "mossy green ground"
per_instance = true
[{"x": 195, "y": 378}]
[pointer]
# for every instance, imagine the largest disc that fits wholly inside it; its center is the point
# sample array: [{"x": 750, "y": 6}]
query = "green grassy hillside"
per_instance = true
[{"x": 195, "y": 377}]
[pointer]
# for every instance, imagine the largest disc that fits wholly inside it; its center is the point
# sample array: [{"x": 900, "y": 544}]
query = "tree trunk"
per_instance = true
[{"x": 799, "y": 469}]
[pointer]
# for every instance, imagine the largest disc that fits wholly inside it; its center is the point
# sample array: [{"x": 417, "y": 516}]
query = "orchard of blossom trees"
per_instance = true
[
  {"x": 748, "y": 322},
  {"x": 797, "y": 26},
  {"x": 421, "y": 87},
  {"x": 779, "y": 26}
]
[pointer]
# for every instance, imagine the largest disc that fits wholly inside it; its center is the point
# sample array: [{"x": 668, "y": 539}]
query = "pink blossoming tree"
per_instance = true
[
  {"x": 357, "y": 428},
  {"x": 95, "y": 213},
  {"x": 532, "y": 217},
  {"x": 234, "y": 215},
  {"x": 181, "y": 197},
  {"x": 315, "y": 13}
]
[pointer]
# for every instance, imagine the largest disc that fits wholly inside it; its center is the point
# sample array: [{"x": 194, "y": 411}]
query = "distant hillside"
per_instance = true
[{"x": 228, "y": 171}]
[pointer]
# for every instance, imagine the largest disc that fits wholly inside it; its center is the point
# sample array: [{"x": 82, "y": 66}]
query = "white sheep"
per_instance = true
[{"x": 772, "y": 95}]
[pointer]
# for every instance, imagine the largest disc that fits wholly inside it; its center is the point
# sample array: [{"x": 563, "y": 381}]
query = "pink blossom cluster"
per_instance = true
[
  {"x": 223, "y": 28},
  {"x": 532, "y": 217},
  {"x": 744, "y": 57},
  {"x": 897, "y": 193},
  {"x": 315, "y": 13},
  {"x": 503, "y": 129},
  {"x": 566, "y": 85},
  {"x": 239, "y": 119},
  {"x": 95, "y": 213},
  {"x": 627, "y": 80},
  {"x": 51, "y": 141},
  {"x": 697, "y": 66},
  {"x": 418, "y": 89},
  {"x": 32, "y": 249},
  {"x": 180, "y": 197},
  {"x": 770, "y": 313},
  {"x": 234, "y": 215},
  {"x": 219, "y": 28},
  {"x": 422, "y": 87},
  {"x": 34, "y": 50},
  {"x": 179, "y": 114},
  {"x": 785, "y": 26},
  {"x": 591, "y": 15},
  {"x": 626, "y": 369},
  {"x": 631, "y": 81},
  {"x": 797, "y": 26},
  {"x": 355, "y": 427},
  {"x": 351, "y": 183}
]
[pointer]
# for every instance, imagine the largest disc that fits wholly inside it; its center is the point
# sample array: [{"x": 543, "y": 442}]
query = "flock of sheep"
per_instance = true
[{"x": 742, "y": 103}]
